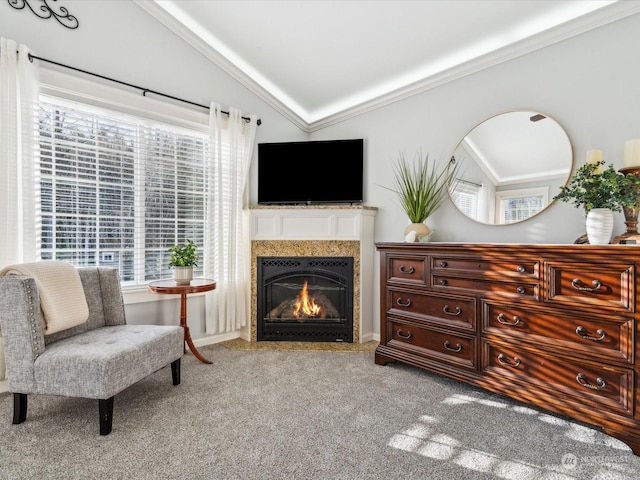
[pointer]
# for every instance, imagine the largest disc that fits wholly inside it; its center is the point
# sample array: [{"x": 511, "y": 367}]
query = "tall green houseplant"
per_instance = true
[{"x": 421, "y": 188}]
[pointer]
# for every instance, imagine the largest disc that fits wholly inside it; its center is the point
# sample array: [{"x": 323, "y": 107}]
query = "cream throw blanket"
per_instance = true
[{"x": 61, "y": 294}]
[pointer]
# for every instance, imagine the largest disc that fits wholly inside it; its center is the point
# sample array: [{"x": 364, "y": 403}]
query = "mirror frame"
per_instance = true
[{"x": 533, "y": 114}]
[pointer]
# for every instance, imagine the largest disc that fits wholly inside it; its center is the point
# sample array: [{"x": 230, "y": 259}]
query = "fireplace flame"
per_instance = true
[{"x": 304, "y": 305}]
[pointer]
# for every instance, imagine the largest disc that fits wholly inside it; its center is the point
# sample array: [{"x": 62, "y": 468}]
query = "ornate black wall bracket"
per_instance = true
[{"x": 44, "y": 11}]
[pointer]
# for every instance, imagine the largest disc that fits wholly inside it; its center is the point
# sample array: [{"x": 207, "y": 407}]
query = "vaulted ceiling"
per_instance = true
[{"x": 319, "y": 62}]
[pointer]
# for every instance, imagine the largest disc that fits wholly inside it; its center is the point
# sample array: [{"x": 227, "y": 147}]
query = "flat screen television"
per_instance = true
[{"x": 316, "y": 172}]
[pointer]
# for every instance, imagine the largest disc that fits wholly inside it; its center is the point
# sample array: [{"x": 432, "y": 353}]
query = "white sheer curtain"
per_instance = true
[
  {"x": 227, "y": 242},
  {"x": 19, "y": 232},
  {"x": 18, "y": 154}
]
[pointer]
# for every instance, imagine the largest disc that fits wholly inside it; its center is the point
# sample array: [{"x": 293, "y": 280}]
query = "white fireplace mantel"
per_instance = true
[
  {"x": 326, "y": 223},
  {"x": 312, "y": 223}
]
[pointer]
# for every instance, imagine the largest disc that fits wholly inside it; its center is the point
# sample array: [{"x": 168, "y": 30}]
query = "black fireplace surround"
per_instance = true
[{"x": 305, "y": 299}]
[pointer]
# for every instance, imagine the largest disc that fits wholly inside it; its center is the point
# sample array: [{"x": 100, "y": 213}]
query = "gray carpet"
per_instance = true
[{"x": 303, "y": 415}]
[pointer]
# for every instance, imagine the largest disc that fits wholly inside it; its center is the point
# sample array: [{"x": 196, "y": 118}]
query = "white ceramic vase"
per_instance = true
[
  {"x": 183, "y": 275},
  {"x": 599, "y": 226}
]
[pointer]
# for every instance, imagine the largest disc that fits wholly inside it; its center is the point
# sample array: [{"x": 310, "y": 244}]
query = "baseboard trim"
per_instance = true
[
  {"x": 370, "y": 337},
  {"x": 213, "y": 339}
]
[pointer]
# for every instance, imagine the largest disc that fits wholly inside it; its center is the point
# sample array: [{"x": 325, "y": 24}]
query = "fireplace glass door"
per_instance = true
[{"x": 305, "y": 299}]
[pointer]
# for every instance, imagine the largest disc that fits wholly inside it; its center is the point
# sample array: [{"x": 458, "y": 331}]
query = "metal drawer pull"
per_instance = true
[
  {"x": 401, "y": 335},
  {"x": 578, "y": 285},
  {"x": 521, "y": 290},
  {"x": 520, "y": 269},
  {"x": 446, "y": 310},
  {"x": 443, "y": 282},
  {"x": 443, "y": 264},
  {"x": 448, "y": 347},
  {"x": 502, "y": 358},
  {"x": 399, "y": 302},
  {"x": 406, "y": 271},
  {"x": 583, "y": 333},
  {"x": 582, "y": 380},
  {"x": 502, "y": 318}
]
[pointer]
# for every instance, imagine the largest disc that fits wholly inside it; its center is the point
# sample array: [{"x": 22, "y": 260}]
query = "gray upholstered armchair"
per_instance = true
[{"x": 96, "y": 359}]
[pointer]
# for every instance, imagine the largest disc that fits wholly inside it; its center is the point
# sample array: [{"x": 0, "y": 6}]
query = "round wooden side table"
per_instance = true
[{"x": 197, "y": 285}]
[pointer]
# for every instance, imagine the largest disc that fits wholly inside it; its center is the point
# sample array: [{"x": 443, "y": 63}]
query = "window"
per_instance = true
[
  {"x": 466, "y": 196},
  {"x": 117, "y": 190},
  {"x": 516, "y": 205}
]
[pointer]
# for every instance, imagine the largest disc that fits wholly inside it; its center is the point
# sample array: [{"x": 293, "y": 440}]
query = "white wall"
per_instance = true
[{"x": 589, "y": 84}]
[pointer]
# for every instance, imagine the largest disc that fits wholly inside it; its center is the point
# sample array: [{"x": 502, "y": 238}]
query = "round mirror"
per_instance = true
[{"x": 510, "y": 167}]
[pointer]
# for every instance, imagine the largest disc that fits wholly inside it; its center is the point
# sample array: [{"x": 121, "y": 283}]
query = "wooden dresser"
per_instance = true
[{"x": 555, "y": 326}]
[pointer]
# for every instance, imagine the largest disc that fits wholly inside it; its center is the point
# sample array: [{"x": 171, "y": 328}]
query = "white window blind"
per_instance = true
[
  {"x": 516, "y": 205},
  {"x": 466, "y": 196},
  {"x": 118, "y": 190}
]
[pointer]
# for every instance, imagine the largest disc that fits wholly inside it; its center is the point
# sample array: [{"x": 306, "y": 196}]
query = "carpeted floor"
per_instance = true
[{"x": 303, "y": 415}]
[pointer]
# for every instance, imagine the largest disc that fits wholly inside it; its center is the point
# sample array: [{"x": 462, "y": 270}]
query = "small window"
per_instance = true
[
  {"x": 467, "y": 197},
  {"x": 517, "y": 205}
]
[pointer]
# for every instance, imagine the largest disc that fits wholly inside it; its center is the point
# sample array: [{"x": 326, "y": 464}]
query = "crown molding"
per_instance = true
[
  {"x": 593, "y": 20},
  {"x": 195, "y": 41},
  {"x": 603, "y": 16}
]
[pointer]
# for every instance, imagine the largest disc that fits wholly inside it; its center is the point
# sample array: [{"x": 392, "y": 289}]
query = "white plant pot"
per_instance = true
[
  {"x": 599, "y": 226},
  {"x": 183, "y": 275}
]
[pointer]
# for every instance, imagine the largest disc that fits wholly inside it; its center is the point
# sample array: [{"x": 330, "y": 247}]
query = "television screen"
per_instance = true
[{"x": 309, "y": 173}]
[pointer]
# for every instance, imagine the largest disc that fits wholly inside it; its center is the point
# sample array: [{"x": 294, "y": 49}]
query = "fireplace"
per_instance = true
[{"x": 306, "y": 299}]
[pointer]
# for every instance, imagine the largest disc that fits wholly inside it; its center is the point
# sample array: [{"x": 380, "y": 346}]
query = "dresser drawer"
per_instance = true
[
  {"x": 524, "y": 269},
  {"x": 458, "y": 350},
  {"x": 518, "y": 290},
  {"x": 596, "y": 385},
  {"x": 596, "y": 337},
  {"x": 407, "y": 270},
  {"x": 608, "y": 286},
  {"x": 451, "y": 311}
]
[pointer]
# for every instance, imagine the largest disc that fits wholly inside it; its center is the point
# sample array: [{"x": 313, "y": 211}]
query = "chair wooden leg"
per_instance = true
[
  {"x": 19, "y": 407},
  {"x": 105, "y": 408},
  {"x": 175, "y": 372}
]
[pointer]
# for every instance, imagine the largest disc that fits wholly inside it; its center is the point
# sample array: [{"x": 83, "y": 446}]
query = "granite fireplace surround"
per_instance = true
[{"x": 321, "y": 231}]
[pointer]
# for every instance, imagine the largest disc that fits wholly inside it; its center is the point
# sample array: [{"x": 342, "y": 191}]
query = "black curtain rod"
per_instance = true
[
  {"x": 144, "y": 90},
  {"x": 468, "y": 182}
]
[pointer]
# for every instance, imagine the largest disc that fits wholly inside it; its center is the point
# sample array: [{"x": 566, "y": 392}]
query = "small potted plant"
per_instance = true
[
  {"x": 600, "y": 191},
  {"x": 421, "y": 189},
  {"x": 183, "y": 259}
]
